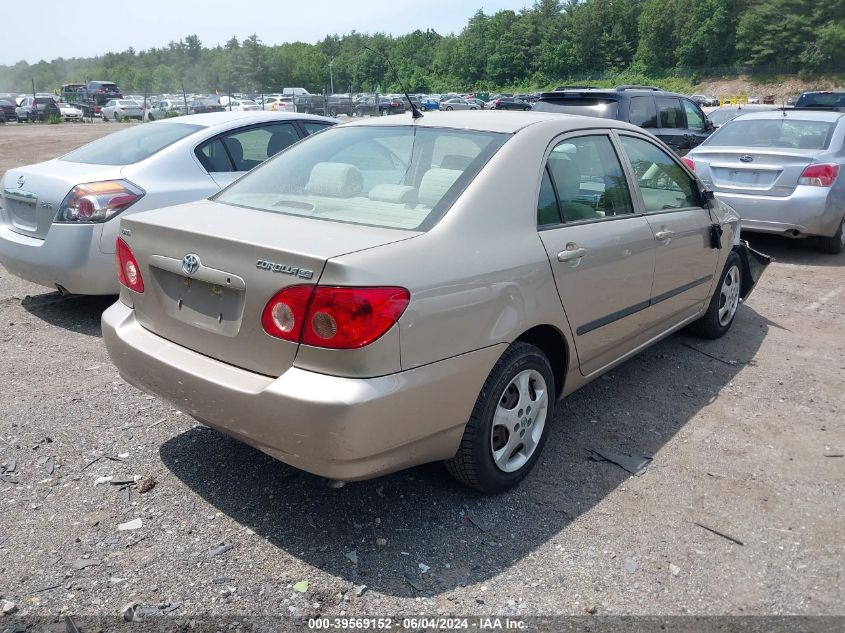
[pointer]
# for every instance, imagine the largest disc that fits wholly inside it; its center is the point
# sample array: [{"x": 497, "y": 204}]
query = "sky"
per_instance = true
[{"x": 47, "y": 34}]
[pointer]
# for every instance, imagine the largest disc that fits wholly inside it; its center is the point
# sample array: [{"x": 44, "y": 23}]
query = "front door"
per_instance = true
[
  {"x": 685, "y": 260},
  {"x": 601, "y": 252}
]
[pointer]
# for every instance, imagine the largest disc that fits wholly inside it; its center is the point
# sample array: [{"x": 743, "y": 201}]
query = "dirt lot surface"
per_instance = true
[
  {"x": 780, "y": 90},
  {"x": 746, "y": 433}
]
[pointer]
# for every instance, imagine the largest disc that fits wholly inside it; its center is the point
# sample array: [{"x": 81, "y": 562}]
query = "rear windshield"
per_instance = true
[
  {"x": 403, "y": 177},
  {"x": 828, "y": 100},
  {"x": 585, "y": 106},
  {"x": 43, "y": 100},
  {"x": 781, "y": 132},
  {"x": 131, "y": 145}
]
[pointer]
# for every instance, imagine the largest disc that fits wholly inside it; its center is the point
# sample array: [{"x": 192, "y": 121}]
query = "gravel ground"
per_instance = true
[{"x": 744, "y": 433}]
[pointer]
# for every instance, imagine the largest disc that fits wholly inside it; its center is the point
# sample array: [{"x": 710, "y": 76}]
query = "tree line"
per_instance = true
[{"x": 537, "y": 47}]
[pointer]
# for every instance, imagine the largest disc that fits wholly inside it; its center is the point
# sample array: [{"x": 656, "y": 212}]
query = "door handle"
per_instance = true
[
  {"x": 571, "y": 253},
  {"x": 663, "y": 235}
]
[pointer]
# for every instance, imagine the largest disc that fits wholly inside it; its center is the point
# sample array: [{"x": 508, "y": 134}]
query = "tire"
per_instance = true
[
  {"x": 527, "y": 108},
  {"x": 836, "y": 244},
  {"x": 333, "y": 112},
  {"x": 723, "y": 306},
  {"x": 476, "y": 464},
  {"x": 448, "y": 108}
]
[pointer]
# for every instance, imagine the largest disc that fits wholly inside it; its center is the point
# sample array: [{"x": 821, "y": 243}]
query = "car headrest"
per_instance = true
[
  {"x": 397, "y": 194},
  {"x": 235, "y": 149},
  {"x": 567, "y": 177},
  {"x": 338, "y": 180},
  {"x": 435, "y": 183}
]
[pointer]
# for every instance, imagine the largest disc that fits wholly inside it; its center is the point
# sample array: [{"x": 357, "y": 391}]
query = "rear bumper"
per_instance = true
[
  {"x": 808, "y": 211},
  {"x": 340, "y": 428},
  {"x": 70, "y": 256}
]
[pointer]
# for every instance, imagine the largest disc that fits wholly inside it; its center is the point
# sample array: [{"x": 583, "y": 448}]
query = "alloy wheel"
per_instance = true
[{"x": 519, "y": 420}]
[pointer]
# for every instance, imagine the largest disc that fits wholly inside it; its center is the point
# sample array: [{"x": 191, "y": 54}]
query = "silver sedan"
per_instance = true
[
  {"x": 781, "y": 171},
  {"x": 59, "y": 219},
  {"x": 398, "y": 291},
  {"x": 458, "y": 104}
]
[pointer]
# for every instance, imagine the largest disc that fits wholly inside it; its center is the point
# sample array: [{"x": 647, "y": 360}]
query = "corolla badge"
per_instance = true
[
  {"x": 746, "y": 158},
  {"x": 190, "y": 263},
  {"x": 21, "y": 181}
]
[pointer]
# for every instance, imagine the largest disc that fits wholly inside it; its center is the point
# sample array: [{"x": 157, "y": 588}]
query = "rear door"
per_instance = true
[
  {"x": 228, "y": 156},
  {"x": 601, "y": 251},
  {"x": 685, "y": 262}
]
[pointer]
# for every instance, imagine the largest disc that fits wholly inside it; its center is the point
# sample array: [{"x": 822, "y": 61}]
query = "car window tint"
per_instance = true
[
  {"x": 671, "y": 113},
  {"x": 663, "y": 182},
  {"x": 642, "y": 112},
  {"x": 589, "y": 179},
  {"x": 547, "y": 210},
  {"x": 312, "y": 127},
  {"x": 695, "y": 119}
]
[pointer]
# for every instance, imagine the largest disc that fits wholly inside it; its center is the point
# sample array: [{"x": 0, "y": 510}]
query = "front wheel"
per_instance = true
[
  {"x": 836, "y": 244},
  {"x": 449, "y": 107},
  {"x": 724, "y": 303},
  {"x": 507, "y": 429}
]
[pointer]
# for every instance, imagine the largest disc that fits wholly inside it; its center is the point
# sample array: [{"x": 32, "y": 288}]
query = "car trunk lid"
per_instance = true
[
  {"x": 32, "y": 195},
  {"x": 756, "y": 171},
  {"x": 245, "y": 256}
]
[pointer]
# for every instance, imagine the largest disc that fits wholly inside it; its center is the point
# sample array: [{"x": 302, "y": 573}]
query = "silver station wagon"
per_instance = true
[{"x": 396, "y": 291}]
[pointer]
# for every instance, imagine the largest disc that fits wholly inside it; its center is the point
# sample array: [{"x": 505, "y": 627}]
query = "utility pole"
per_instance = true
[{"x": 331, "y": 76}]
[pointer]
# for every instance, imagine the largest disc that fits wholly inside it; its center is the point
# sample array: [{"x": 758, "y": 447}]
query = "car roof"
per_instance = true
[
  {"x": 214, "y": 119},
  {"x": 614, "y": 92},
  {"x": 795, "y": 113},
  {"x": 507, "y": 122}
]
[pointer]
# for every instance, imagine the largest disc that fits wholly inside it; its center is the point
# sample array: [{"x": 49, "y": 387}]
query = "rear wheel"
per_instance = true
[
  {"x": 507, "y": 429},
  {"x": 448, "y": 107},
  {"x": 835, "y": 244},
  {"x": 724, "y": 303}
]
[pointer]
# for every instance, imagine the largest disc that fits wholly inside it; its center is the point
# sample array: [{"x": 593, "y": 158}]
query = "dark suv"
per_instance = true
[
  {"x": 102, "y": 91},
  {"x": 674, "y": 119}
]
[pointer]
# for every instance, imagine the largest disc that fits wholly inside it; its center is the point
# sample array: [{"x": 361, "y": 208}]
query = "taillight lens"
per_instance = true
[
  {"x": 128, "y": 271},
  {"x": 689, "y": 162},
  {"x": 333, "y": 317},
  {"x": 98, "y": 201},
  {"x": 821, "y": 175}
]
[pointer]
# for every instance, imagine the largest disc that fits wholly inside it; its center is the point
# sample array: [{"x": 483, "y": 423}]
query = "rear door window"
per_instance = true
[
  {"x": 588, "y": 179},
  {"x": 242, "y": 150},
  {"x": 671, "y": 113}
]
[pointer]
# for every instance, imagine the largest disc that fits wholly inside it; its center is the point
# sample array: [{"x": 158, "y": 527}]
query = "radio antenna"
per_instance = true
[{"x": 415, "y": 113}]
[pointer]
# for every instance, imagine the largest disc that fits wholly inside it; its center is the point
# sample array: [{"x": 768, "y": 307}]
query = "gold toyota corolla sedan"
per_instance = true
[{"x": 399, "y": 291}]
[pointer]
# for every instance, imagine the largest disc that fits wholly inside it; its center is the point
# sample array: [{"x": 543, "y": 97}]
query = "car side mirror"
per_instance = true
[
  {"x": 707, "y": 195},
  {"x": 708, "y": 125}
]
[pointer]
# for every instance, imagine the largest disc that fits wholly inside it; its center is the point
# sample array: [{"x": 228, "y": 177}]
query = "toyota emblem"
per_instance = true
[
  {"x": 190, "y": 263},
  {"x": 21, "y": 181},
  {"x": 746, "y": 158}
]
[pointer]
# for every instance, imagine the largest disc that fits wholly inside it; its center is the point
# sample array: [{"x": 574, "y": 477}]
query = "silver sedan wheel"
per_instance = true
[
  {"x": 519, "y": 420},
  {"x": 729, "y": 296}
]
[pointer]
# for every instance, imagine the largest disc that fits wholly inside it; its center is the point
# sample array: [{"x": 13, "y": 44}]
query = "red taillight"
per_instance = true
[
  {"x": 333, "y": 317},
  {"x": 689, "y": 162},
  {"x": 128, "y": 272},
  {"x": 821, "y": 175}
]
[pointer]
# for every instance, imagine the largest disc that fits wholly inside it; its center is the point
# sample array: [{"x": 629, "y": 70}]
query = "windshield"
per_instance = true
[
  {"x": 780, "y": 132},
  {"x": 131, "y": 145},
  {"x": 403, "y": 177}
]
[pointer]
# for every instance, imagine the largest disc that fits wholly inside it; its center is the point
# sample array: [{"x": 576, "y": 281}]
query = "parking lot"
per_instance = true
[{"x": 739, "y": 512}]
